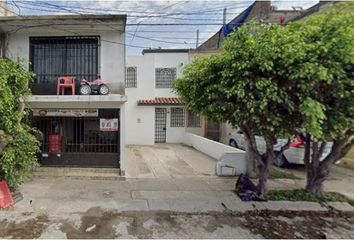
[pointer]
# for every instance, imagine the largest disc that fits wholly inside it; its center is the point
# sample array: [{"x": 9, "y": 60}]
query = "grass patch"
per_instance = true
[
  {"x": 278, "y": 174},
  {"x": 303, "y": 195}
]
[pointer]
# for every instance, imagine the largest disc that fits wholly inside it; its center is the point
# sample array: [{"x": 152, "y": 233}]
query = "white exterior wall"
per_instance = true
[
  {"x": 140, "y": 122},
  {"x": 111, "y": 66},
  {"x": 112, "y": 56}
]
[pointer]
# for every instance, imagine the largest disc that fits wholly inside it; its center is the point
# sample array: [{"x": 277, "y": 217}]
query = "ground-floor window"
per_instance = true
[
  {"x": 177, "y": 117},
  {"x": 194, "y": 120}
]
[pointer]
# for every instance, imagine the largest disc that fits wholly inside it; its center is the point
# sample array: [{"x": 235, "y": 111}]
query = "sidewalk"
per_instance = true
[
  {"x": 194, "y": 207},
  {"x": 62, "y": 196}
]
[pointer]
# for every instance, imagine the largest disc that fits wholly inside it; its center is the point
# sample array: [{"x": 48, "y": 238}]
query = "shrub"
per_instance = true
[{"x": 18, "y": 157}]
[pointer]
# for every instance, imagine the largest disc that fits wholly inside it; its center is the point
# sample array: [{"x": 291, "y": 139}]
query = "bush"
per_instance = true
[
  {"x": 18, "y": 157},
  {"x": 304, "y": 195}
]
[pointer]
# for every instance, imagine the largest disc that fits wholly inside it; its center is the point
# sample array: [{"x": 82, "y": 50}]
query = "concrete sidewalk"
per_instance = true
[
  {"x": 190, "y": 207},
  {"x": 63, "y": 196}
]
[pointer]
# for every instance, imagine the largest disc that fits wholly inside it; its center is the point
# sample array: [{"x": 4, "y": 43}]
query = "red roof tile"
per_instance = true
[{"x": 161, "y": 101}]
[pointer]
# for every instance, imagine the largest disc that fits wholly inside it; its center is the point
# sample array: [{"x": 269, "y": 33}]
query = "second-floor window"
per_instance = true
[
  {"x": 52, "y": 57},
  {"x": 177, "y": 117},
  {"x": 130, "y": 77},
  {"x": 164, "y": 77}
]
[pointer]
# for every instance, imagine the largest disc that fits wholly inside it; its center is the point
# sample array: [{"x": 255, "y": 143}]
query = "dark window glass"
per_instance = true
[{"x": 52, "y": 57}]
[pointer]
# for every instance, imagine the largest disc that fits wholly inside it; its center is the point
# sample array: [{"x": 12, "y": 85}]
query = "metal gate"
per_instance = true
[
  {"x": 160, "y": 125},
  {"x": 79, "y": 142}
]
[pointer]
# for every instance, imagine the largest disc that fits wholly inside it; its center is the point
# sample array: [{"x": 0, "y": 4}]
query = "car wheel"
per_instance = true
[
  {"x": 233, "y": 143},
  {"x": 281, "y": 161},
  {"x": 85, "y": 89},
  {"x": 103, "y": 90}
]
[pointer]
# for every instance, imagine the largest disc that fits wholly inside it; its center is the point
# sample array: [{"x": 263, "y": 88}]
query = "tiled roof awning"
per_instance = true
[{"x": 161, "y": 101}]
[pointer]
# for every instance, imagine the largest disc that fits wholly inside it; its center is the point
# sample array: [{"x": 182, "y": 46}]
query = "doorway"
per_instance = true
[{"x": 160, "y": 125}]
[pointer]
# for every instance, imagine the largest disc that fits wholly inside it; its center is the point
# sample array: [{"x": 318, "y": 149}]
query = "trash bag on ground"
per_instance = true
[{"x": 246, "y": 189}]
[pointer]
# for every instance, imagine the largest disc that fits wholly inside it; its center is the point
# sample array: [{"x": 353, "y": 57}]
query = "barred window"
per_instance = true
[
  {"x": 164, "y": 77},
  {"x": 194, "y": 120},
  {"x": 177, "y": 117},
  {"x": 130, "y": 77}
]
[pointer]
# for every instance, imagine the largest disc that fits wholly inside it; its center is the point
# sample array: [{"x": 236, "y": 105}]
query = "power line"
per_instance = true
[
  {"x": 129, "y": 16},
  {"x": 71, "y": 8},
  {"x": 136, "y": 29},
  {"x": 138, "y": 24}
]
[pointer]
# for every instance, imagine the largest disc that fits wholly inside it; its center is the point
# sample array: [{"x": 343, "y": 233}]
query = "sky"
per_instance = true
[{"x": 203, "y": 15}]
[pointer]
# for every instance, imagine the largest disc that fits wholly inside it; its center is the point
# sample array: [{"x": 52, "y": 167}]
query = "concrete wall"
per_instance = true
[
  {"x": 209, "y": 147},
  {"x": 140, "y": 122},
  {"x": 112, "y": 55},
  {"x": 228, "y": 158}
]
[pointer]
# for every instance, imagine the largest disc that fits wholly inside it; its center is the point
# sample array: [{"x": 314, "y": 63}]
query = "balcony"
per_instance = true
[{"x": 46, "y": 84}]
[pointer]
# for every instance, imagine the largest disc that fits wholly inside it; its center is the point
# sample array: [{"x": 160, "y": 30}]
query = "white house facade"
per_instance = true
[
  {"x": 154, "y": 112},
  {"x": 90, "y": 47}
]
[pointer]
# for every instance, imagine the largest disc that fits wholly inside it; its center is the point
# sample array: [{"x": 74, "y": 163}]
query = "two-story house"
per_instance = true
[
  {"x": 156, "y": 114},
  {"x": 76, "y": 130}
]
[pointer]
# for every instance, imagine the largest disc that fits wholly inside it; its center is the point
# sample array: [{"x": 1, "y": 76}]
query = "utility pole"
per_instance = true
[
  {"x": 224, "y": 17},
  {"x": 197, "y": 41}
]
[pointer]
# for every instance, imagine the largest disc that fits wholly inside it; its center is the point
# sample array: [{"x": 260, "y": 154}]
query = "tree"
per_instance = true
[
  {"x": 270, "y": 81},
  {"x": 245, "y": 87},
  {"x": 18, "y": 146},
  {"x": 326, "y": 74}
]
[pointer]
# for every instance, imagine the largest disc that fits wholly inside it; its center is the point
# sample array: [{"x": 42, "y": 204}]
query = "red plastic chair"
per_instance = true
[{"x": 65, "y": 82}]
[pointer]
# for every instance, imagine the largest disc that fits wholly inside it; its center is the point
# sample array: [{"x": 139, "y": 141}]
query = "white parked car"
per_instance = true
[{"x": 294, "y": 154}]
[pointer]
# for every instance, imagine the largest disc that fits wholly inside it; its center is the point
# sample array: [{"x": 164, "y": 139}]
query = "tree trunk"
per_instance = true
[
  {"x": 252, "y": 155},
  {"x": 263, "y": 176},
  {"x": 314, "y": 184},
  {"x": 267, "y": 159},
  {"x": 250, "y": 160}
]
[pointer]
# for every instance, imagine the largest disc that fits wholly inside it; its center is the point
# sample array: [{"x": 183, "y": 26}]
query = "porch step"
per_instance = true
[{"x": 78, "y": 173}]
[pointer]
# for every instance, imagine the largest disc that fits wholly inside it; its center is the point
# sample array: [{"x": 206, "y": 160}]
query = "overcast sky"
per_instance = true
[{"x": 206, "y": 12}]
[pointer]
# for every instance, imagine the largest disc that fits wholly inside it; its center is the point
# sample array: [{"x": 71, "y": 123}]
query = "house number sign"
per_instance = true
[{"x": 109, "y": 125}]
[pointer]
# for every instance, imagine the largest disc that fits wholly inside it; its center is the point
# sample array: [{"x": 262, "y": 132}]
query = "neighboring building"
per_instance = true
[
  {"x": 259, "y": 10},
  {"x": 155, "y": 113},
  {"x": 75, "y": 129}
]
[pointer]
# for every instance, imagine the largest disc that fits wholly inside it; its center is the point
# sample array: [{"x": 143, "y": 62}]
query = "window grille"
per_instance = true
[
  {"x": 165, "y": 77},
  {"x": 177, "y": 117},
  {"x": 194, "y": 120},
  {"x": 130, "y": 77},
  {"x": 52, "y": 57}
]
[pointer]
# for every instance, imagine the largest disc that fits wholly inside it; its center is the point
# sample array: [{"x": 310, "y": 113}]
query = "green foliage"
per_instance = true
[
  {"x": 314, "y": 117},
  {"x": 19, "y": 156},
  {"x": 275, "y": 173},
  {"x": 327, "y": 71},
  {"x": 273, "y": 80},
  {"x": 303, "y": 195},
  {"x": 244, "y": 85}
]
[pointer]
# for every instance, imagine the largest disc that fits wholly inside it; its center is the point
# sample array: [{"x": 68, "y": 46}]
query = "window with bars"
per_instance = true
[
  {"x": 177, "y": 117},
  {"x": 130, "y": 77},
  {"x": 164, "y": 77},
  {"x": 194, "y": 120},
  {"x": 52, "y": 57}
]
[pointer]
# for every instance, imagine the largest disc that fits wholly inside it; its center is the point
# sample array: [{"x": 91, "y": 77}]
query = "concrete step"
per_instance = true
[{"x": 78, "y": 173}]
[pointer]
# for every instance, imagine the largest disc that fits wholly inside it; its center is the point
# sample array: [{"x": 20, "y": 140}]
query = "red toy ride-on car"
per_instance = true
[{"x": 99, "y": 86}]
